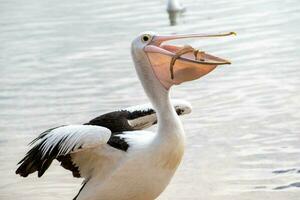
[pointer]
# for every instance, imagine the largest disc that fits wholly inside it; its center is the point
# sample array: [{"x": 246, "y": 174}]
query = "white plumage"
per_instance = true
[
  {"x": 75, "y": 138},
  {"x": 120, "y": 162},
  {"x": 174, "y": 6},
  {"x": 177, "y": 103}
]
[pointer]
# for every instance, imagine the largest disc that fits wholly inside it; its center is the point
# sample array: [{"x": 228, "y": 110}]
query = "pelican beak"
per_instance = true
[{"x": 173, "y": 65}]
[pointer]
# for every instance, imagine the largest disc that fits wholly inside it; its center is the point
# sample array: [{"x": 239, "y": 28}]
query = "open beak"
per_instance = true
[{"x": 176, "y": 64}]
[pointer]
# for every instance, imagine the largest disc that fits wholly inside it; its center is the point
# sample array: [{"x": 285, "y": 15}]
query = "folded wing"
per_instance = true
[{"x": 137, "y": 117}]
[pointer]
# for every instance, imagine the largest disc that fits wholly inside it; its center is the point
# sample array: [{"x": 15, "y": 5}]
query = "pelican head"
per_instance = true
[{"x": 170, "y": 64}]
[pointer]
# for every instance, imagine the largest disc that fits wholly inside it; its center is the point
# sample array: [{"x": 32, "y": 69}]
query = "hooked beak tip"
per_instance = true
[{"x": 233, "y": 33}]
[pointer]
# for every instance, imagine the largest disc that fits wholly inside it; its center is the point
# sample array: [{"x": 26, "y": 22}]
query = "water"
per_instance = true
[{"x": 68, "y": 61}]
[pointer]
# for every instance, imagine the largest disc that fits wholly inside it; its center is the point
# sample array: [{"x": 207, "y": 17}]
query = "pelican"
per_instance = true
[
  {"x": 117, "y": 159},
  {"x": 175, "y": 10}
]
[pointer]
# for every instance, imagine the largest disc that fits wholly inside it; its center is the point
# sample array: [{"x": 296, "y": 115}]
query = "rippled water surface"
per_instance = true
[{"x": 68, "y": 61}]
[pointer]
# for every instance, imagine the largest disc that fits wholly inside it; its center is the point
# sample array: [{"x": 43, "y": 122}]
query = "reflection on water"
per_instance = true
[
  {"x": 285, "y": 171},
  {"x": 174, "y": 17},
  {"x": 297, "y": 185},
  {"x": 66, "y": 62}
]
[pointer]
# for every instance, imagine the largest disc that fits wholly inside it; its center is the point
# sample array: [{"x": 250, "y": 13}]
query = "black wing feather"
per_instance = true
[{"x": 35, "y": 161}]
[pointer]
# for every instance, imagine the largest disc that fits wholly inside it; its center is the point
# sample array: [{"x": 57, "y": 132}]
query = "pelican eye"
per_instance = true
[{"x": 146, "y": 38}]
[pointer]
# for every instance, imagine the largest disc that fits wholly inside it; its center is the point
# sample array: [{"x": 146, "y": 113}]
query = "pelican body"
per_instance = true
[{"x": 125, "y": 162}]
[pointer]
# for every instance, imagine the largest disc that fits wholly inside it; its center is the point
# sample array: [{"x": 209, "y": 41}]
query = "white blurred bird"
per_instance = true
[{"x": 175, "y": 6}]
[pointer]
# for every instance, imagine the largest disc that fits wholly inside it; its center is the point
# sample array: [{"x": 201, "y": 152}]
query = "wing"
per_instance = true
[
  {"x": 59, "y": 143},
  {"x": 136, "y": 117},
  {"x": 73, "y": 145}
]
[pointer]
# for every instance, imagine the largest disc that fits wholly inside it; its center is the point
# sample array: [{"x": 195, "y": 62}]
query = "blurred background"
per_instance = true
[{"x": 65, "y": 62}]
